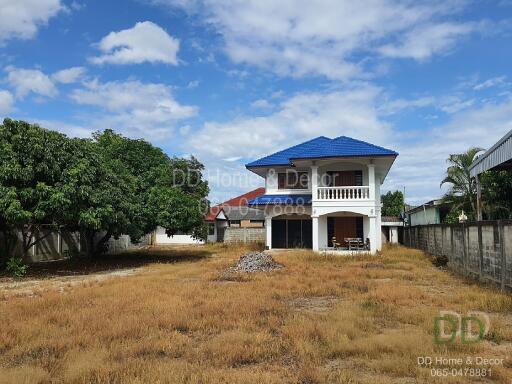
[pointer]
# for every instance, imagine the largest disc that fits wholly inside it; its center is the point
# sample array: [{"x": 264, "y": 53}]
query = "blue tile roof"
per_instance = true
[
  {"x": 322, "y": 147},
  {"x": 292, "y": 199}
]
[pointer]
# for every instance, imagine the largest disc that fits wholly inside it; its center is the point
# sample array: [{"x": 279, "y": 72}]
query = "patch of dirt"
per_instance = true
[
  {"x": 314, "y": 304},
  {"x": 10, "y": 287}
]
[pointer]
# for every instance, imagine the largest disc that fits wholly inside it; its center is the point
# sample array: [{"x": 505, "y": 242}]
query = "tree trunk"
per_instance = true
[{"x": 94, "y": 249}]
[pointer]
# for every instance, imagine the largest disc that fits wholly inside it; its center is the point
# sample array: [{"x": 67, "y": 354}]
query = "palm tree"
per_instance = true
[{"x": 462, "y": 192}]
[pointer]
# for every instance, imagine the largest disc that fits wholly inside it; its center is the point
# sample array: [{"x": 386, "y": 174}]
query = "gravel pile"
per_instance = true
[{"x": 255, "y": 262}]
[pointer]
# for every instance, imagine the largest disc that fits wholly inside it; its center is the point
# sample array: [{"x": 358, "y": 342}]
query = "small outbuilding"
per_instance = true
[{"x": 392, "y": 229}]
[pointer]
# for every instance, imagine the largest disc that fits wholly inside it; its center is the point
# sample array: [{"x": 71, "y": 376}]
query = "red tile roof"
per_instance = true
[{"x": 238, "y": 201}]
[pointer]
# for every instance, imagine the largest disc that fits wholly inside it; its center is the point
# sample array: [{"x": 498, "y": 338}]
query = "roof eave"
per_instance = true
[{"x": 343, "y": 157}]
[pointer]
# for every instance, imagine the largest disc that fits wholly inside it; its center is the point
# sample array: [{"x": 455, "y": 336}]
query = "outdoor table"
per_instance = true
[{"x": 353, "y": 241}]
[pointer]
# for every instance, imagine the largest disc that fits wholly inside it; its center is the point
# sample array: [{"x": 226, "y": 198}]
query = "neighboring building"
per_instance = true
[
  {"x": 392, "y": 229},
  {"x": 323, "y": 189},
  {"x": 433, "y": 212},
  {"x": 496, "y": 158},
  {"x": 232, "y": 213},
  {"x": 160, "y": 238}
]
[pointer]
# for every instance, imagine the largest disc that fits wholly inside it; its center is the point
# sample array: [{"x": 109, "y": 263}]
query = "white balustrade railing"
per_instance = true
[{"x": 343, "y": 193}]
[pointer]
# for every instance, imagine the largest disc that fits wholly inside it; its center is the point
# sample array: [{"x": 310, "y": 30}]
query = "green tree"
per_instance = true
[
  {"x": 462, "y": 192},
  {"x": 497, "y": 194},
  {"x": 170, "y": 193},
  {"x": 102, "y": 187},
  {"x": 102, "y": 196},
  {"x": 32, "y": 160},
  {"x": 392, "y": 203}
]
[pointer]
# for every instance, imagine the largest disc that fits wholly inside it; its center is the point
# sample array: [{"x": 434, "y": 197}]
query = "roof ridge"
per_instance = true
[
  {"x": 292, "y": 147},
  {"x": 364, "y": 142}
]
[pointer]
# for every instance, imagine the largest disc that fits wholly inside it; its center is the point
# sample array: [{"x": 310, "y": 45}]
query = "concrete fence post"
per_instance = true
[
  {"x": 501, "y": 232},
  {"x": 435, "y": 241},
  {"x": 480, "y": 252},
  {"x": 452, "y": 245},
  {"x": 464, "y": 254}
]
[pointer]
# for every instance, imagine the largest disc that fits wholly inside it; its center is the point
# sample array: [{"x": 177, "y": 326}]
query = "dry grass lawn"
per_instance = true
[{"x": 319, "y": 320}]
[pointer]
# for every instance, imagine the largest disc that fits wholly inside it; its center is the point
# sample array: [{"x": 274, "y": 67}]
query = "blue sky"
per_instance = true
[{"x": 231, "y": 81}]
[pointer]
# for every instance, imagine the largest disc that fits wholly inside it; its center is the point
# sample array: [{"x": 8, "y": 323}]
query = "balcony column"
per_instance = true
[
  {"x": 314, "y": 220},
  {"x": 314, "y": 181},
  {"x": 268, "y": 232},
  {"x": 371, "y": 180}
]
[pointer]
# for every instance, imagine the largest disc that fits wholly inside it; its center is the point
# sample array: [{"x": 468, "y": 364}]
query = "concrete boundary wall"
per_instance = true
[
  {"x": 244, "y": 235},
  {"x": 59, "y": 245},
  {"x": 482, "y": 250}
]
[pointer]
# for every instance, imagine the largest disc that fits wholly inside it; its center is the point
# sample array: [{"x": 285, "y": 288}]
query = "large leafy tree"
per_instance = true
[
  {"x": 32, "y": 160},
  {"x": 102, "y": 196},
  {"x": 170, "y": 193},
  {"x": 392, "y": 203},
  {"x": 102, "y": 187},
  {"x": 462, "y": 192}
]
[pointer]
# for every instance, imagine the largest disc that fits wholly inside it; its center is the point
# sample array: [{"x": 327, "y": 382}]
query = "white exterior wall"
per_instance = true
[
  {"x": 161, "y": 238},
  {"x": 212, "y": 238},
  {"x": 393, "y": 235},
  {"x": 428, "y": 216},
  {"x": 322, "y": 232}
]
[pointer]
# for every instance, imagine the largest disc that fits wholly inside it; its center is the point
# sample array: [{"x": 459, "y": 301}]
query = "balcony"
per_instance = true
[{"x": 343, "y": 193}]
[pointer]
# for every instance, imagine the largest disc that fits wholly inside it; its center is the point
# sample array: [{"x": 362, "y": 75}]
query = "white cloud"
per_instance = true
[
  {"x": 350, "y": 112},
  {"x": 326, "y": 37},
  {"x": 21, "y": 18},
  {"x": 427, "y": 40},
  {"x": 493, "y": 82},
  {"x": 447, "y": 103},
  {"x": 193, "y": 84},
  {"x": 69, "y": 75},
  {"x": 453, "y": 104},
  {"x": 359, "y": 113},
  {"x": 422, "y": 161},
  {"x": 261, "y": 104},
  {"x": 25, "y": 81},
  {"x": 395, "y": 105},
  {"x": 142, "y": 109},
  {"x": 6, "y": 102},
  {"x": 72, "y": 130},
  {"x": 145, "y": 42}
]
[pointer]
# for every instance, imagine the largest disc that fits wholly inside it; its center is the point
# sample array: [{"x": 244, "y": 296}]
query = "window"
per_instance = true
[
  {"x": 344, "y": 178},
  {"x": 211, "y": 229},
  {"x": 234, "y": 223},
  {"x": 292, "y": 180}
]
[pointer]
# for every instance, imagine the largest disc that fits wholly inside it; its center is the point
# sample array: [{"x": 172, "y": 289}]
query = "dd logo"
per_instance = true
[{"x": 451, "y": 325}]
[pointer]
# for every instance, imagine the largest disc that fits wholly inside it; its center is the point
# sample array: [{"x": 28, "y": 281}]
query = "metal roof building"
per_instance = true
[{"x": 498, "y": 157}]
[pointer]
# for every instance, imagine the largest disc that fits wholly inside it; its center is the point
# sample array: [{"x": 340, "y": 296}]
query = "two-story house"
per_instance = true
[{"x": 323, "y": 194}]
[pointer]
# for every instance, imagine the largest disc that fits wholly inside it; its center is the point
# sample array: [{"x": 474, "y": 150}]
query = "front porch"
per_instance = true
[{"x": 339, "y": 232}]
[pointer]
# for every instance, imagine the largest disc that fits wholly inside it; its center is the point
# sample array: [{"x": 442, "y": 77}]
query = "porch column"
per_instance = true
[
  {"x": 372, "y": 235},
  {"x": 314, "y": 181},
  {"x": 268, "y": 232},
  {"x": 315, "y": 233},
  {"x": 371, "y": 180}
]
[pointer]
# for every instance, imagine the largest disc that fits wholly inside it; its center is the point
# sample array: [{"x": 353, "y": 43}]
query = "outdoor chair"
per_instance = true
[{"x": 335, "y": 244}]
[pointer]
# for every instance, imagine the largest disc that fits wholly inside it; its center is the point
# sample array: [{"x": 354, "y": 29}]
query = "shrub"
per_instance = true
[{"x": 16, "y": 267}]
